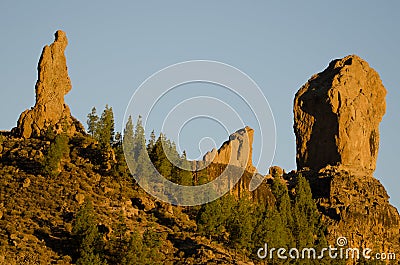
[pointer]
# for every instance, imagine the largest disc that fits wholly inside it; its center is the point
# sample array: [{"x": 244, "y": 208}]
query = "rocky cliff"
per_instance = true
[
  {"x": 50, "y": 110},
  {"x": 237, "y": 151},
  {"x": 233, "y": 160},
  {"x": 336, "y": 122}
]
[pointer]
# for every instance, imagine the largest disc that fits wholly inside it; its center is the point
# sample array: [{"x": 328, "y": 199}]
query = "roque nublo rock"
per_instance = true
[
  {"x": 50, "y": 110},
  {"x": 337, "y": 115},
  {"x": 336, "y": 122}
]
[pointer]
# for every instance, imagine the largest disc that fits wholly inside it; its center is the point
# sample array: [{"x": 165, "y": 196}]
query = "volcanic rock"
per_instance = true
[
  {"x": 237, "y": 151},
  {"x": 337, "y": 115},
  {"x": 50, "y": 110},
  {"x": 336, "y": 122},
  {"x": 233, "y": 161}
]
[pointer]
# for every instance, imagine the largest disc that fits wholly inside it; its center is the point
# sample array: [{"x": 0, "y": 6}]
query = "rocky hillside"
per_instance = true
[
  {"x": 67, "y": 196},
  {"x": 50, "y": 169},
  {"x": 37, "y": 213}
]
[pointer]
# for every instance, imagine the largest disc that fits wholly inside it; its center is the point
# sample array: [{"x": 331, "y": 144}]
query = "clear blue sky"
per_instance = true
[{"x": 114, "y": 47}]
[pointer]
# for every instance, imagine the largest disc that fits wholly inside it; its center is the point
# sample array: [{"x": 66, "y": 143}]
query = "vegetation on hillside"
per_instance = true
[{"x": 86, "y": 207}]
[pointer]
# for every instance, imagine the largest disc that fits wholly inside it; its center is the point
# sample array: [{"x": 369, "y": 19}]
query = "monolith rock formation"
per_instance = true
[
  {"x": 336, "y": 123},
  {"x": 337, "y": 115},
  {"x": 50, "y": 110}
]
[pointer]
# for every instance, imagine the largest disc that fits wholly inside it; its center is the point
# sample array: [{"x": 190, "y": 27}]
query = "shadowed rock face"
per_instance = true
[
  {"x": 337, "y": 115},
  {"x": 52, "y": 85}
]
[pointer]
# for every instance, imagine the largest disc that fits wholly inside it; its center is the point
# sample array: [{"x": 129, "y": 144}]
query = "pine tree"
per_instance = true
[
  {"x": 128, "y": 145},
  {"x": 143, "y": 166},
  {"x": 160, "y": 159},
  {"x": 87, "y": 236},
  {"x": 136, "y": 252},
  {"x": 128, "y": 135},
  {"x": 241, "y": 224},
  {"x": 139, "y": 142},
  {"x": 212, "y": 219},
  {"x": 152, "y": 141},
  {"x": 305, "y": 214},
  {"x": 272, "y": 231},
  {"x": 105, "y": 128},
  {"x": 185, "y": 174},
  {"x": 308, "y": 229},
  {"x": 119, "y": 241},
  {"x": 92, "y": 122},
  {"x": 275, "y": 222},
  {"x": 283, "y": 204}
]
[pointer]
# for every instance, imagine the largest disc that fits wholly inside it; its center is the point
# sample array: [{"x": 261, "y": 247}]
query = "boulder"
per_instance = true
[{"x": 276, "y": 171}]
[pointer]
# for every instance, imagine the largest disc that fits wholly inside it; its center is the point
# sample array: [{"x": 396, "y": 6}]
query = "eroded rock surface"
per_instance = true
[
  {"x": 233, "y": 163},
  {"x": 336, "y": 122},
  {"x": 52, "y": 85},
  {"x": 337, "y": 115},
  {"x": 356, "y": 207},
  {"x": 237, "y": 151}
]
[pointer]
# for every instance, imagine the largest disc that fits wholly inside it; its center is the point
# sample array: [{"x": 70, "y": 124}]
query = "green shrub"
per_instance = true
[{"x": 58, "y": 149}]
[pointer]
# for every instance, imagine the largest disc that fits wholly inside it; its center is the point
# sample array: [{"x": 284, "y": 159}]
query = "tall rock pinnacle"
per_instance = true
[
  {"x": 337, "y": 115},
  {"x": 336, "y": 122},
  {"x": 52, "y": 85}
]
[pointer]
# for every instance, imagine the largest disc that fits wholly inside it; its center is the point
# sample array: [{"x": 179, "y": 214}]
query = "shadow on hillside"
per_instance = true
[
  {"x": 25, "y": 164},
  {"x": 57, "y": 239},
  {"x": 188, "y": 246}
]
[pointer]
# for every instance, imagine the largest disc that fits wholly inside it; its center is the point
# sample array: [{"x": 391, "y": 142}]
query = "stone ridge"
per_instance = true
[
  {"x": 237, "y": 151},
  {"x": 52, "y": 85},
  {"x": 337, "y": 115}
]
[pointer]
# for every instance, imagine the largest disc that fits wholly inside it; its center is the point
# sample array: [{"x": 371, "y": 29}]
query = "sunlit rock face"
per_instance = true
[
  {"x": 337, "y": 115},
  {"x": 52, "y": 85}
]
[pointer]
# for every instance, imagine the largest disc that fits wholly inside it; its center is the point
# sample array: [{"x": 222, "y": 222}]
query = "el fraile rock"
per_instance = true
[
  {"x": 336, "y": 122},
  {"x": 50, "y": 110}
]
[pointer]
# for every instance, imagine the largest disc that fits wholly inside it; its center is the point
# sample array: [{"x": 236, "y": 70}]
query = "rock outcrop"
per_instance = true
[
  {"x": 337, "y": 115},
  {"x": 50, "y": 110},
  {"x": 237, "y": 151},
  {"x": 356, "y": 207},
  {"x": 336, "y": 122},
  {"x": 233, "y": 161}
]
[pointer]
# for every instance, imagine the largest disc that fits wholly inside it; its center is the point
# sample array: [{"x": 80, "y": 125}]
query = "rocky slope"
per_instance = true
[{"x": 37, "y": 212}]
